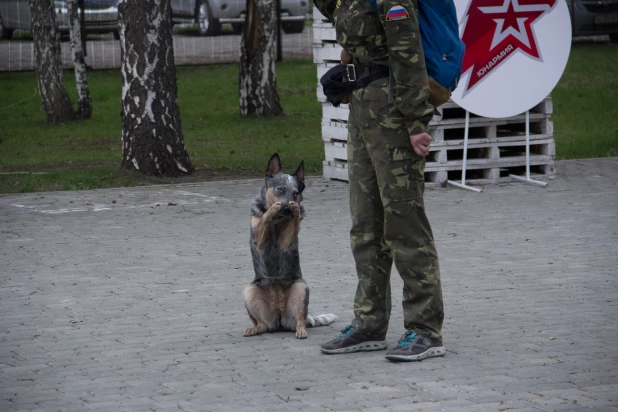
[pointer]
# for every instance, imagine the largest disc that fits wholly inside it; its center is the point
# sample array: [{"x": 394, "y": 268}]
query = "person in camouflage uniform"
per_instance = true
[{"x": 387, "y": 142}]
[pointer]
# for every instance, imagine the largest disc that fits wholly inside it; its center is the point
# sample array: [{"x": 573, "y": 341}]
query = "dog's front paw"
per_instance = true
[
  {"x": 301, "y": 333},
  {"x": 273, "y": 210},
  {"x": 295, "y": 208}
]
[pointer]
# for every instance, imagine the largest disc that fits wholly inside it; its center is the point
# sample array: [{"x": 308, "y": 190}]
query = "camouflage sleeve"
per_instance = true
[
  {"x": 326, "y": 7},
  {"x": 407, "y": 62}
]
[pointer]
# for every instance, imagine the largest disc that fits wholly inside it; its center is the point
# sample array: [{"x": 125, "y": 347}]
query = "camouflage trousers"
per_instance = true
[{"x": 388, "y": 218}]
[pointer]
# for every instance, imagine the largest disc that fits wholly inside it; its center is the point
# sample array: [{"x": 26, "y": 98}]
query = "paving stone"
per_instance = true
[{"x": 130, "y": 306}]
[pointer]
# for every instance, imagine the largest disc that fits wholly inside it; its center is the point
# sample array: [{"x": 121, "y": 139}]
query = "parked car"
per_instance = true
[
  {"x": 100, "y": 16},
  {"x": 594, "y": 17},
  {"x": 211, "y": 14}
]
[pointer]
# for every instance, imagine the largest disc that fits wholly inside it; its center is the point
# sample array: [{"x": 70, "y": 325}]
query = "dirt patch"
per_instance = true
[
  {"x": 99, "y": 175},
  {"x": 202, "y": 175},
  {"x": 58, "y": 166},
  {"x": 199, "y": 175}
]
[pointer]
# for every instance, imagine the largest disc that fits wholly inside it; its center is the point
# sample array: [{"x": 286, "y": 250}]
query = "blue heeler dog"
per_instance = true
[{"x": 278, "y": 298}]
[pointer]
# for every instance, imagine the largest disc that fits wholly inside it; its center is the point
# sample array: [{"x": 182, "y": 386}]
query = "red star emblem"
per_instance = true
[{"x": 495, "y": 29}]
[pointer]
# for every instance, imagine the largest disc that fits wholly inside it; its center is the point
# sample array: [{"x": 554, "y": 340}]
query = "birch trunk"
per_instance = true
[
  {"x": 54, "y": 96},
  {"x": 152, "y": 139},
  {"x": 84, "y": 102},
  {"x": 258, "y": 80}
]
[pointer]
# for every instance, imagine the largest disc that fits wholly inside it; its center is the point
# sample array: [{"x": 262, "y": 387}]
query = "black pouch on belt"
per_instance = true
[{"x": 336, "y": 88}]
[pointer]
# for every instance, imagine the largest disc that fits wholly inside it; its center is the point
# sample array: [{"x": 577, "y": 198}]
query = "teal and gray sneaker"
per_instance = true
[
  {"x": 415, "y": 347},
  {"x": 350, "y": 340}
]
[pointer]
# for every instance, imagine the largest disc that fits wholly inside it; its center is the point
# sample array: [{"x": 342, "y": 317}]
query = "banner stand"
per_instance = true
[
  {"x": 465, "y": 156},
  {"x": 527, "y": 178}
]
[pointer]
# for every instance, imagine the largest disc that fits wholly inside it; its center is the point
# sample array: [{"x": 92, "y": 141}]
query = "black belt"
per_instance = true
[{"x": 367, "y": 73}]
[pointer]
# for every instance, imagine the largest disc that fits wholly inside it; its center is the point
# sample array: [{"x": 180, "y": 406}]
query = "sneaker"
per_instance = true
[
  {"x": 415, "y": 347},
  {"x": 350, "y": 341}
]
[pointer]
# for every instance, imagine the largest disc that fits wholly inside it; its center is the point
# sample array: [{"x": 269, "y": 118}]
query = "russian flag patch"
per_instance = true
[{"x": 397, "y": 13}]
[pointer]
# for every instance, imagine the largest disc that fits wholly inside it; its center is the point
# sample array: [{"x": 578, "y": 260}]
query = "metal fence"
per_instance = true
[{"x": 103, "y": 48}]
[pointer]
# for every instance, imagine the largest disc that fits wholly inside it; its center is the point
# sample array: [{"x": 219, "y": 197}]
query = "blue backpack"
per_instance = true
[{"x": 443, "y": 48}]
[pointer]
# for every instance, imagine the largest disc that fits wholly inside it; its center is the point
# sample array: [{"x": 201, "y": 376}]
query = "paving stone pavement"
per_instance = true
[{"x": 130, "y": 300}]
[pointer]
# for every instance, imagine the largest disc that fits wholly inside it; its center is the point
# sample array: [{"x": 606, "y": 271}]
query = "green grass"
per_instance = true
[
  {"x": 69, "y": 179},
  {"x": 223, "y": 144},
  {"x": 216, "y": 135},
  {"x": 586, "y": 103}
]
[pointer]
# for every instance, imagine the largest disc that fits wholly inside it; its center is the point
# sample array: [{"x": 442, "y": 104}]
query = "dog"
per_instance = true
[{"x": 278, "y": 297}]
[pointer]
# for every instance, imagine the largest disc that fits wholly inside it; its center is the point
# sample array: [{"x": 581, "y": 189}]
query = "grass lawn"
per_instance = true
[
  {"x": 223, "y": 144},
  {"x": 586, "y": 103}
]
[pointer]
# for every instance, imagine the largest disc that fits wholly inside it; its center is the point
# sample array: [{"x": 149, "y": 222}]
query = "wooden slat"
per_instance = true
[
  {"x": 327, "y": 52},
  {"x": 324, "y": 33}
]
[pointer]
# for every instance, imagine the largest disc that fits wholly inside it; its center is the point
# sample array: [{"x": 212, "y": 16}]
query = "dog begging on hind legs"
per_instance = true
[{"x": 278, "y": 297}]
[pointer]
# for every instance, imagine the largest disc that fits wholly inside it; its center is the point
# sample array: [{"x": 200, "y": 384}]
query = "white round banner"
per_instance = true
[{"x": 516, "y": 52}]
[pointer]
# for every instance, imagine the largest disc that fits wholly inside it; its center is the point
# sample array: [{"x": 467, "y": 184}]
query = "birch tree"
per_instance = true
[
  {"x": 257, "y": 75},
  {"x": 54, "y": 96},
  {"x": 84, "y": 102},
  {"x": 152, "y": 139}
]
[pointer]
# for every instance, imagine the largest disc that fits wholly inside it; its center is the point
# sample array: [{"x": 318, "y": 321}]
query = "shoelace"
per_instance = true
[
  {"x": 407, "y": 338},
  {"x": 346, "y": 331}
]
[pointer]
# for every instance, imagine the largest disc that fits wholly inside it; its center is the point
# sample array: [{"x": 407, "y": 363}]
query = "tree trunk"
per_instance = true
[
  {"x": 152, "y": 140},
  {"x": 54, "y": 96},
  {"x": 258, "y": 79},
  {"x": 84, "y": 103}
]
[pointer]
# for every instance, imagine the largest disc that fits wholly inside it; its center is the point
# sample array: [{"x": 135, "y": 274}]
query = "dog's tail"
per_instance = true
[{"x": 320, "y": 320}]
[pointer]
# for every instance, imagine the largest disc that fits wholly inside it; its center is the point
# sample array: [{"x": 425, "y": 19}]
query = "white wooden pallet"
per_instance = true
[
  {"x": 496, "y": 147},
  {"x": 451, "y": 115},
  {"x": 451, "y": 130},
  {"x": 449, "y": 157},
  {"x": 442, "y": 160},
  {"x": 489, "y": 130},
  {"x": 478, "y": 174}
]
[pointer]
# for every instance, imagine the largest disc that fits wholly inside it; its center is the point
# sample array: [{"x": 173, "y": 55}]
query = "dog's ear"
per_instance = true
[
  {"x": 300, "y": 175},
  {"x": 274, "y": 165}
]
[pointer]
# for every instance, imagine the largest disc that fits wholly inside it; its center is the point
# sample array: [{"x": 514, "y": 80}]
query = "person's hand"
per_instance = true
[{"x": 421, "y": 143}]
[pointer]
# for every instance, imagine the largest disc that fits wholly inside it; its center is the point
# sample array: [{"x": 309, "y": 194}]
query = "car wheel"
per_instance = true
[
  {"x": 614, "y": 37},
  {"x": 5, "y": 33},
  {"x": 293, "y": 27},
  {"x": 206, "y": 24},
  {"x": 238, "y": 28}
]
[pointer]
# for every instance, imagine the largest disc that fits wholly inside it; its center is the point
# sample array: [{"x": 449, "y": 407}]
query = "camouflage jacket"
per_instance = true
[{"x": 390, "y": 36}]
